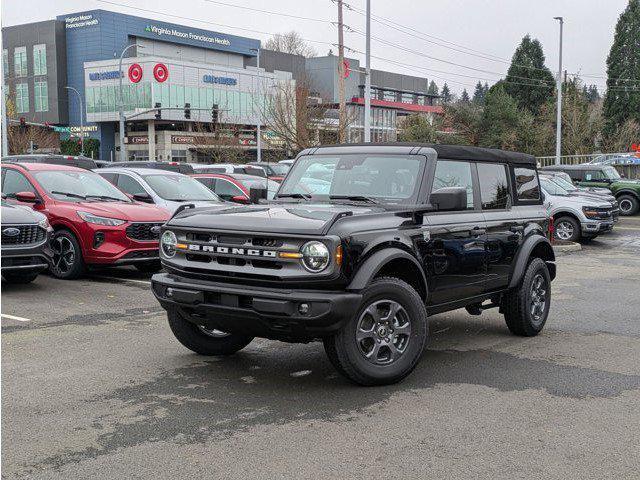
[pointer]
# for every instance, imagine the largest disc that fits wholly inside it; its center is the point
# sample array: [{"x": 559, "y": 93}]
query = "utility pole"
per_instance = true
[
  {"x": 5, "y": 119},
  {"x": 121, "y": 118},
  {"x": 559, "y": 107},
  {"x": 258, "y": 129},
  {"x": 341, "y": 73},
  {"x": 367, "y": 79},
  {"x": 81, "y": 120}
]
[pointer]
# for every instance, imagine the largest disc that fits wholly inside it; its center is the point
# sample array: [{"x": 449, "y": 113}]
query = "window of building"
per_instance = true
[
  {"x": 179, "y": 155},
  {"x": 41, "y": 96},
  {"x": 20, "y": 61},
  {"x": 22, "y": 98},
  {"x": 494, "y": 186},
  {"x": 527, "y": 187},
  {"x": 454, "y": 174},
  {"x": 40, "y": 59}
]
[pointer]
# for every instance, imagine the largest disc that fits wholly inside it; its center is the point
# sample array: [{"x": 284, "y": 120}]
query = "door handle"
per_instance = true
[{"x": 517, "y": 229}]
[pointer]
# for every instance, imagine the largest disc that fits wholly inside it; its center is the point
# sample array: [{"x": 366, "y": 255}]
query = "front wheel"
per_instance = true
[
  {"x": 383, "y": 342},
  {"x": 205, "y": 341},
  {"x": 628, "y": 204},
  {"x": 567, "y": 229},
  {"x": 526, "y": 307},
  {"x": 67, "y": 262}
]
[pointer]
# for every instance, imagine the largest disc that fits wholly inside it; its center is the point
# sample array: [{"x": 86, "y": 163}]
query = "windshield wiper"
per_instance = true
[
  {"x": 69, "y": 194},
  {"x": 303, "y": 196},
  {"x": 354, "y": 198},
  {"x": 106, "y": 197}
]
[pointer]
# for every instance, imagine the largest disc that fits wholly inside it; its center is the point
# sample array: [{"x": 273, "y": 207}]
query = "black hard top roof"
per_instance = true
[{"x": 452, "y": 152}]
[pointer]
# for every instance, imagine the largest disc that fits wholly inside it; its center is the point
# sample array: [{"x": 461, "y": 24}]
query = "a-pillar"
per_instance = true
[{"x": 151, "y": 132}]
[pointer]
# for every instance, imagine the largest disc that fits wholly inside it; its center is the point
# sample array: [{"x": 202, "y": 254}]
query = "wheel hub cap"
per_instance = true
[
  {"x": 383, "y": 332},
  {"x": 538, "y": 295},
  {"x": 64, "y": 254},
  {"x": 564, "y": 230}
]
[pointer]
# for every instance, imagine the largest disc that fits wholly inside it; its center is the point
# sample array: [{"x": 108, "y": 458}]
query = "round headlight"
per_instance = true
[
  {"x": 315, "y": 256},
  {"x": 168, "y": 243}
]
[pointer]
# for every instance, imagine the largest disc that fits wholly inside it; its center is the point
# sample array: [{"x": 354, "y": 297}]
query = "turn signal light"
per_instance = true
[
  {"x": 294, "y": 255},
  {"x": 339, "y": 255}
]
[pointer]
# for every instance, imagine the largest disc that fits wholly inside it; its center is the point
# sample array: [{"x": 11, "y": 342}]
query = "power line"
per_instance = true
[{"x": 268, "y": 12}]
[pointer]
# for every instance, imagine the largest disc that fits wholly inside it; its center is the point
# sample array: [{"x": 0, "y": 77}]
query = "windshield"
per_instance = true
[
  {"x": 74, "y": 186},
  {"x": 389, "y": 178},
  {"x": 272, "y": 187},
  {"x": 179, "y": 188},
  {"x": 552, "y": 188},
  {"x": 611, "y": 173},
  {"x": 568, "y": 186},
  {"x": 279, "y": 169}
]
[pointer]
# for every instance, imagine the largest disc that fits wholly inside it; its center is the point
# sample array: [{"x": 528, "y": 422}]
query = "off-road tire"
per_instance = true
[
  {"x": 78, "y": 267},
  {"x": 344, "y": 353},
  {"x": 189, "y": 335},
  {"x": 516, "y": 303},
  {"x": 635, "y": 205},
  {"x": 20, "y": 278},
  {"x": 577, "y": 230},
  {"x": 153, "y": 266}
]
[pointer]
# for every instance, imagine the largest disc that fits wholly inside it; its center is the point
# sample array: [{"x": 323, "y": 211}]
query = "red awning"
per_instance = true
[{"x": 409, "y": 107}]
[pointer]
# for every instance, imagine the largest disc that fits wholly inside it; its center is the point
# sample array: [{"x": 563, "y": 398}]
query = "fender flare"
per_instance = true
[
  {"x": 523, "y": 258},
  {"x": 626, "y": 191},
  {"x": 372, "y": 265}
]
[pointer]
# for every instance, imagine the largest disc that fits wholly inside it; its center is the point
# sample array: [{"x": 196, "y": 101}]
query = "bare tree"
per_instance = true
[
  {"x": 219, "y": 142},
  {"x": 290, "y": 42},
  {"x": 20, "y": 137}
]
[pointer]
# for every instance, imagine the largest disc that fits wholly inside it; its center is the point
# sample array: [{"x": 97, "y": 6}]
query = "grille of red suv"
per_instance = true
[{"x": 144, "y": 231}]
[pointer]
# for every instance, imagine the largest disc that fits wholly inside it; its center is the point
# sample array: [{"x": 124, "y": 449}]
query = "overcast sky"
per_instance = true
[{"x": 491, "y": 28}]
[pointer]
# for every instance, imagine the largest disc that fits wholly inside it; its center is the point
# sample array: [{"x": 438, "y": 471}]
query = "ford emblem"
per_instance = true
[
  {"x": 155, "y": 230},
  {"x": 11, "y": 232}
]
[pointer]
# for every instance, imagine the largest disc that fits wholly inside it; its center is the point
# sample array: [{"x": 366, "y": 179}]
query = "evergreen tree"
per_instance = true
[
  {"x": 499, "y": 126},
  {"x": 479, "y": 93},
  {"x": 433, "y": 88},
  {"x": 446, "y": 93},
  {"x": 530, "y": 81},
  {"x": 417, "y": 128},
  {"x": 465, "y": 96},
  {"x": 622, "y": 99}
]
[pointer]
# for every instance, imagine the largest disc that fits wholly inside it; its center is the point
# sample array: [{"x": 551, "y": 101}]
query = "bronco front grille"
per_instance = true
[
  {"x": 144, "y": 231},
  {"x": 22, "y": 234}
]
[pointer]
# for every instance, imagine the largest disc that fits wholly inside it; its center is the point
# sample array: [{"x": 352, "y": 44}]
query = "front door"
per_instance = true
[{"x": 453, "y": 253}]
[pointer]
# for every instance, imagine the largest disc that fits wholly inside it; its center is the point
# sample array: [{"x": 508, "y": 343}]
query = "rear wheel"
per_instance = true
[
  {"x": 21, "y": 278},
  {"x": 205, "y": 341},
  {"x": 383, "y": 342},
  {"x": 67, "y": 262},
  {"x": 567, "y": 229},
  {"x": 628, "y": 204},
  {"x": 526, "y": 307},
  {"x": 149, "y": 267}
]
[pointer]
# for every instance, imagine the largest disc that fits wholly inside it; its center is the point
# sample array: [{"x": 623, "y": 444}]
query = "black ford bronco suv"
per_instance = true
[{"x": 360, "y": 245}]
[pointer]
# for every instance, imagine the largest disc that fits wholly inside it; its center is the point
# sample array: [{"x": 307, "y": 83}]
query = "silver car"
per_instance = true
[
  {"x": 165, "y": 189},
  {"x": 576, "y": 217}
]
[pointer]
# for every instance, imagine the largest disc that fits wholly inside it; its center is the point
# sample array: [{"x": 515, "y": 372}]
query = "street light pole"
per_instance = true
[
  {"x": 259, "y": 133},
  {"x": 559, "y": 107},
  {"x": 81, "y": 119},
  {"x": 121, "y": 102},
  {"x": 367, "y": 79}
]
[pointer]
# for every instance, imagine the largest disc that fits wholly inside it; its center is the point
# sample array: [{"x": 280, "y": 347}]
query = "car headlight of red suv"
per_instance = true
[{"x": 106, "y": 221}]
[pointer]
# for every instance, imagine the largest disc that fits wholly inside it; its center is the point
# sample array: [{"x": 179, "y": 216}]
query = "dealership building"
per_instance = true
[{"x": 180, "y": 85}]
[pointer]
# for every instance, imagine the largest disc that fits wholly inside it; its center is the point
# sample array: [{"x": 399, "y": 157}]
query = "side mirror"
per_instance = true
[
  {"x": 449, "y": 198},
  {"x": 27, "y": 197},
  {"x": 143, "y": 197},
  {"x": 256, "y": 194},
  {"x": 239, "y": 199}
]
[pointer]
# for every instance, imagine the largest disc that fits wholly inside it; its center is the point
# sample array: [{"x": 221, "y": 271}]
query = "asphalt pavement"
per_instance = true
[{"x": 95, "y": 386}]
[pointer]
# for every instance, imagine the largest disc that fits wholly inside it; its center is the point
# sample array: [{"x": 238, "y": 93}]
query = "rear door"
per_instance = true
[
  {"x": 594, "y": 178},
  {"x": 454, "y": 256}
]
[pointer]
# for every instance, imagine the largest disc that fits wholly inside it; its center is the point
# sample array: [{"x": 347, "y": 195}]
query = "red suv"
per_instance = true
[
  {"x": 235, "y": 187},
  {"x": 94, "y": 222}
]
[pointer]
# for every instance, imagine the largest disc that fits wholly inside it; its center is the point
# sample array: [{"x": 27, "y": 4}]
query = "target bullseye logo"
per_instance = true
[
  {"x": 135, "y": 73},
  {"x": 160, "y": 72}
]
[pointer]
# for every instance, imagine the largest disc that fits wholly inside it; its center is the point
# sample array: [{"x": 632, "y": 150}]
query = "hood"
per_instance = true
[
  {"x": 133, "y": 212},
  {"x": 577, "y": 201},
  {"x": 171, "y": 205},
  {"x": 294, "y": 218},
  {"x": 626, "y": 181},
  {"x": 595, "y": 196},
  {"x": 15, "y": 214}
]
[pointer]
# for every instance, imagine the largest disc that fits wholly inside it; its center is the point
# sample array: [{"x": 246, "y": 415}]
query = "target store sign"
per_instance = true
[
  {"x": 160, "y": 72},
  {"x": 135, "y": 73}
]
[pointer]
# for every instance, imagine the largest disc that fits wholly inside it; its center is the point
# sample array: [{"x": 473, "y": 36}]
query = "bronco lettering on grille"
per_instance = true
[{"x": 232, "y": 250}]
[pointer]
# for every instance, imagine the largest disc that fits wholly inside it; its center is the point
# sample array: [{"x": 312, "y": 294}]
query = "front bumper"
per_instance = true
[
  {"x": 596, "y": 227},
  {"x": 105, "y": 245},
  {"x": 261, "y": 312},
  {"x": 29, "y": 258}
]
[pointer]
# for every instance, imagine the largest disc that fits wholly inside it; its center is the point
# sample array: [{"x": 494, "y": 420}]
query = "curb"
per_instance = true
[{"x": 567, "y": 247}]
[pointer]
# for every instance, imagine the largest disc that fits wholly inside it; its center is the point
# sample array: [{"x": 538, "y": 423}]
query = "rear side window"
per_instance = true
[
  {"x": 451, "y": 173},
  {"x": 527, "y": 185},
  {"x": 14, "y": 182},
  {"x": 593, "y": 175},
  {"x": 494, "y": 186}
]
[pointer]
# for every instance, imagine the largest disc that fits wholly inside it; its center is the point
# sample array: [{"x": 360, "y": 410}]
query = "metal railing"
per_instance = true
[{"x": 627, "y": 171}]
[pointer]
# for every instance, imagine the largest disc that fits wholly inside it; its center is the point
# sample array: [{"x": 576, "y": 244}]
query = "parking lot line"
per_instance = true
[
  {"x": 617, "y": 227},
  {"x": 144, "y": 282},
  {"x": 13, "y": 317}
]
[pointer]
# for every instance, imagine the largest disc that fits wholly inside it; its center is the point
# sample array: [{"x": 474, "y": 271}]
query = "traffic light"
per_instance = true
[
  {"x": 187, "y": 111},
  {"x": 158, "y": 106},
  {"x": 23, "y": 124},
  {"x": 214, "y": 113}
]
